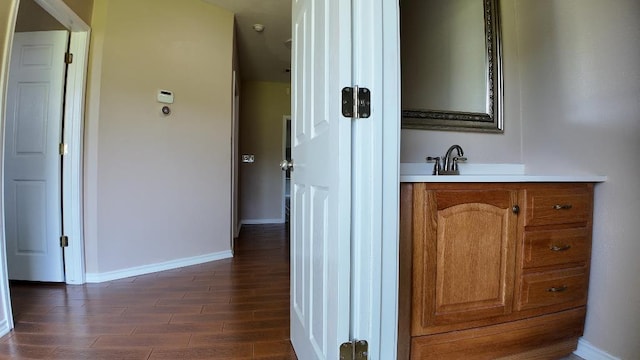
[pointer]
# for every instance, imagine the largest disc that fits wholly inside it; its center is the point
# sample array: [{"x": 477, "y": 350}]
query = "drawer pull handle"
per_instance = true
[
  {"x": 560, "y": 247},
  {"x": 562, "y": 206},
  {"x": 558, "y": 289}
]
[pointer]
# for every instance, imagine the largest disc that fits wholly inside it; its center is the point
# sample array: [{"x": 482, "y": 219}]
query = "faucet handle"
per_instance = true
[
  {"x": 455, "y": 159},
  {"x": 436, "y": 167}
]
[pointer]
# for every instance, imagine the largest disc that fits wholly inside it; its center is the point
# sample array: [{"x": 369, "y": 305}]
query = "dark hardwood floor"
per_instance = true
[{"x": 229, "y": 309}]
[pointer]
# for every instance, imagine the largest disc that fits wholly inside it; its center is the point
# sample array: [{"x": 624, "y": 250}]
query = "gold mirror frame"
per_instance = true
[{"x": 490, "y": 121}]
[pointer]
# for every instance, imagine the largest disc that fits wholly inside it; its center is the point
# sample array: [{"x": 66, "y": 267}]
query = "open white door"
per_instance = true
[
  {"x": 321, "y": 182},
  {"x": 33, "y": 129}
]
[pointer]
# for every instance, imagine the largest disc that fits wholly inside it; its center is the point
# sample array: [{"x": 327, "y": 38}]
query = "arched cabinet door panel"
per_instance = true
[{"x": 466, "y": 243}]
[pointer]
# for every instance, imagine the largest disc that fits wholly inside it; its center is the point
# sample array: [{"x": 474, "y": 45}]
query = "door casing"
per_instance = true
[
  {"x": 376, "y": 177},
  {"x": 72, "y": 166},
  {"x": 72, "y": 136}
]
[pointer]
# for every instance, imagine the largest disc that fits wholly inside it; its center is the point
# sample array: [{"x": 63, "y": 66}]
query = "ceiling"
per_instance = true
[{"x": 262, "y": 56}]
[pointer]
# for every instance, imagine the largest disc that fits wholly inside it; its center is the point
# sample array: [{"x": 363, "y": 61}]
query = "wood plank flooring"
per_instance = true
[{"x": 229, "y": 309}]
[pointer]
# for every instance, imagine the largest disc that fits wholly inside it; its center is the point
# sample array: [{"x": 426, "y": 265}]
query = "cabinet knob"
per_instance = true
[{"x": 515, "y": 209}]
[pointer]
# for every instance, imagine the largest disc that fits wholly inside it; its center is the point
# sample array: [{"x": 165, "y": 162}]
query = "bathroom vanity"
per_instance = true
[{"x": 493, "y": 267}]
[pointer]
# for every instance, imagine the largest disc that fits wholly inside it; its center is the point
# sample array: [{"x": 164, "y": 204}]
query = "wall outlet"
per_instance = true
[{"x": 248, "y": 158}]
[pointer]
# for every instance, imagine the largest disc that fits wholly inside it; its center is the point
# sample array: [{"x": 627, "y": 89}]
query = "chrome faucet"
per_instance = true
[{"x": 450, "y": 163}]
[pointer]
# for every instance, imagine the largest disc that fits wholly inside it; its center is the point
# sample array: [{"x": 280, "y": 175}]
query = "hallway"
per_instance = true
[{"x": 230, "y": 309}]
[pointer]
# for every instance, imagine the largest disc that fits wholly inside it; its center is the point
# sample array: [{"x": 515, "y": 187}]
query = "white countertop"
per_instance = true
[{"x": 474, "y": 173}]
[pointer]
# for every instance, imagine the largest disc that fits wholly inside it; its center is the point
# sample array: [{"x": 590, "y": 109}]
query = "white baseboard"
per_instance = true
[
  {"x": 589, "y": 352},
  {"x": 151, "y": 268},
  {"x": 261, "y": 221}
]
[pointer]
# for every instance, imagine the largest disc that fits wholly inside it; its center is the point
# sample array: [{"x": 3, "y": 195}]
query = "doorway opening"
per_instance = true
[
  {"x": 32, "y": 156},
  {"x": 286, "y": 155},
  {"x": 70, "y": 143}
]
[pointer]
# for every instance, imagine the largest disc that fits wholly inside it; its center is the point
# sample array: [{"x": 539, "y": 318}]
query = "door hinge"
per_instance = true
[
  {"x": 356, "y": 102},
  {"x": 63, "y": 149},
  {"x": 68, "y": 58},
  {"x": 354, "y": 350},
  {"x": 64, "y": 241}
]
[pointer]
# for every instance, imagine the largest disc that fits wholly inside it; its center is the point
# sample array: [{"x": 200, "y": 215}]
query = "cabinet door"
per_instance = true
[{"x": 464, "y": 254}]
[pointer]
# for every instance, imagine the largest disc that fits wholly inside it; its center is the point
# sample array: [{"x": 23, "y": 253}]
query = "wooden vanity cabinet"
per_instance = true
[{"x": 492, "y": 270}]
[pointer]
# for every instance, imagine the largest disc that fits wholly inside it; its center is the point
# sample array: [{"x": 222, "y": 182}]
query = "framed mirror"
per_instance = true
[{"x": 451, "y": 65}]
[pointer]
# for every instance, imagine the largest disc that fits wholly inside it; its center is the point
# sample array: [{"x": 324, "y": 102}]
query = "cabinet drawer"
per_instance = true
[
  {"x": 553, "y": 288},
  {"x": 558, "y": 205},
  {"x": 555, "y": 247}
]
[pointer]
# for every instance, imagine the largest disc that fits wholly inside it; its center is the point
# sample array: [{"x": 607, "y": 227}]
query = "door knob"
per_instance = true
[{"x": 286, "y": 165}]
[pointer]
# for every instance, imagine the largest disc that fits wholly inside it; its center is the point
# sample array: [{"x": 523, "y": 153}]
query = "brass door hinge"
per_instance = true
[
  {"x": 63, "y": 149},
  {"x": 354, "y": 350},
  {"x": 68, "y": 58},
  {"x": 64, "y": 241}
]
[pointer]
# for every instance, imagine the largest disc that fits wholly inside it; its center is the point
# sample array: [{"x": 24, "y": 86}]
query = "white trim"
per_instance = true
[
  {"x": 589, "y": 352},
  {"x": 63, "y": 13},
  {"x": 234, "y": 159},
  {"x": 390, "y": 197},
  {"x": 73, "y": 136},
  {"x": 260, "y": 222},
  {"x": 5, "y": 296},
  {"x": 72, "y": 167},
  {"x": 152, "y": 268},
  {"x": 285, "y": 118},
  {"x": 375, "y": 178}
]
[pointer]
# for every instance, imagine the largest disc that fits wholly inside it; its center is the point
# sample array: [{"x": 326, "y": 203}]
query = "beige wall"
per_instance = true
[
  {"x": 8, "y": 13},
  {"x": 263, "y": 105},
  {"x": 157, "y": 187},
  {"x": 83, "y": 8},
  {"x": 480, "y": 148},
  {"x": 581, "y": 113}
]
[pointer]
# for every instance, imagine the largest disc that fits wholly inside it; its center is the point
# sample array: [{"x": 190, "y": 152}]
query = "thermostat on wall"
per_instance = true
[{"x": 165, "y": 96}]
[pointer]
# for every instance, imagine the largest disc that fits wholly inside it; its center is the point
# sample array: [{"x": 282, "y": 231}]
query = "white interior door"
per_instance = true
[
  {"x": 32, "y": 182},
  {"x": 321, "y": 182}
]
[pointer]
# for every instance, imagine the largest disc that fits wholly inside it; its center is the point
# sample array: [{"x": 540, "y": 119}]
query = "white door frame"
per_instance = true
[
  {"x": 235, "y": 123},
  {"x": 285, "y": 119},
  {"x": 6, "y": 316},
  {"x": 72, "y": 218},
  {"x": 375, "y": 178},
  {"x": 72, "y": 136}
]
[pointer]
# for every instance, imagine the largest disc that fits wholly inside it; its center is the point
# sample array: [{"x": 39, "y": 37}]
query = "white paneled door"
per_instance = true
[
  {"x": 32, "y": 184},
  {"x": 321, "y": 183}
]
